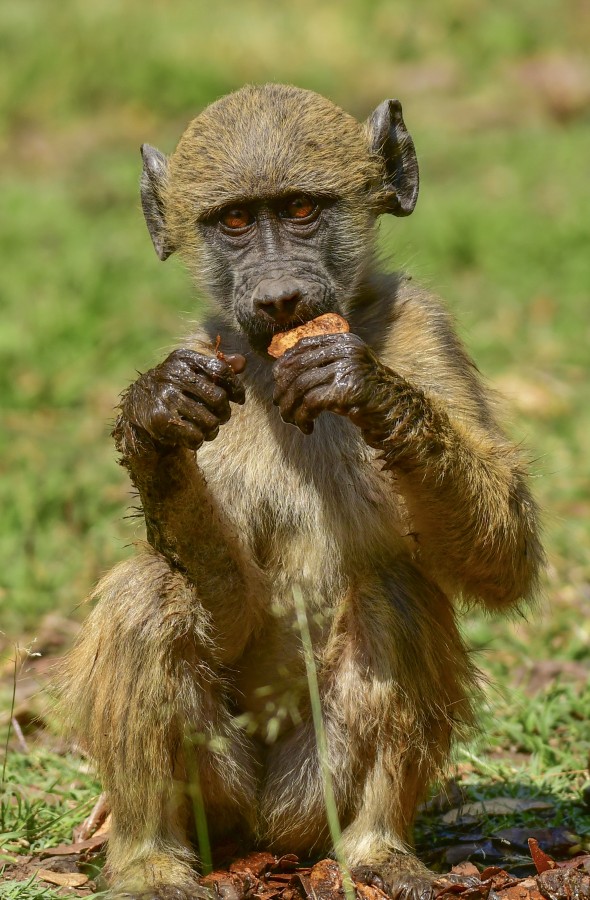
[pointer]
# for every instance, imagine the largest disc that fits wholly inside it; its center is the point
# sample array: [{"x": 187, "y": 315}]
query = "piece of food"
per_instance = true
[{"x": 329, "y": 323}]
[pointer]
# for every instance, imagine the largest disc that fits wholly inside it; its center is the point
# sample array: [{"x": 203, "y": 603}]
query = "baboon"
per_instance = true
[{"x": 365, "y": 470}]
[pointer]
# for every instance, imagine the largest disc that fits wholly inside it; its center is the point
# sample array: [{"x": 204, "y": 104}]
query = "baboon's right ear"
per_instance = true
[
  {"x": 390, "y": 139},
  {"x": 153, "y": 179}
]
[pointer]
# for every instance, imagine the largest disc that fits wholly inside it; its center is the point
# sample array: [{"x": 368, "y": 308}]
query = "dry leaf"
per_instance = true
[
  {"x": 496, "y": 806},
  {"x": 465, "y": 870},
  {"x": 525, "y": 889},
  {"x": 95, "y": 822},
  {"x": 64, "y": 879},
  {"x": 564, "y": 884},
  {"x": 325, "y": 880},
  {"x": 254, "y": 864},
  {"x": 93, "y": 843},
  {"x": 542, "y": 861},
  {"x": 105, "y": 828}
]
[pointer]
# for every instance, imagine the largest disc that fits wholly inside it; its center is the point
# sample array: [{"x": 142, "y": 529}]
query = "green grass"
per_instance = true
[
  {"x": 44, "y": 797},
  {"x": 501, "y": 230}
]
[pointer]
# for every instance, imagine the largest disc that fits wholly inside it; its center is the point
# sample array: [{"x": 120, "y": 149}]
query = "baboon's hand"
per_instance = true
[
  {"x": 339, "y": 373},
  {"x": 181, "y": 402}
]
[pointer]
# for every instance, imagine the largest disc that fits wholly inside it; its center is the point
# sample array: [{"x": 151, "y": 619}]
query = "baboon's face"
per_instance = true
[
  {"x": 272, "y": 196},
  {"x": 278, "y": 261}
]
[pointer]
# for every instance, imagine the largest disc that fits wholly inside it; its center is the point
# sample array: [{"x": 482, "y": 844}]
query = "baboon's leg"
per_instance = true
[
  {"x": 293, "y": 815},
  {"x": 402, "y": 679},
  {"x": 141, "y": 692},
  {"x": 395, "y": 679}
]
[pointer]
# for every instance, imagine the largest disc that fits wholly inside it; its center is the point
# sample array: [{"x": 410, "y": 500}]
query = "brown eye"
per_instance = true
[
  {"x": 298, "y": 208},
  {"x": 236, "y": 218}
]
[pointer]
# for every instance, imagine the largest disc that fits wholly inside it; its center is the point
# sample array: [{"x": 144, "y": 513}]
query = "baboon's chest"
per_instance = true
[{"x": 305, "y": 505}]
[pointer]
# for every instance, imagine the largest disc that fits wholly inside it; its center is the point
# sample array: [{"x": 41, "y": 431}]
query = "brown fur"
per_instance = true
[
  {"x": 190, "y": 664},
  {"x": 206, "y": 169}
]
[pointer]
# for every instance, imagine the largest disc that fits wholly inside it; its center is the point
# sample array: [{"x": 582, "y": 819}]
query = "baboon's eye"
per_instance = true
[
  {"x": 236, "y": 218},
  {"x": 299, "y": 208}
]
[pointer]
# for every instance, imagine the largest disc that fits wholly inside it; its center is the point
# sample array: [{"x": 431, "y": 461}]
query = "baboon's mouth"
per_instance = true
[
  {"x": 326, "y": 324},
  {"x": 260, "y": 329}
]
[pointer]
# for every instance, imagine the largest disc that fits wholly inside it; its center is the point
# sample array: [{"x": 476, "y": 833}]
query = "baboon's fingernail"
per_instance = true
[{"x": 236, "y": 362}]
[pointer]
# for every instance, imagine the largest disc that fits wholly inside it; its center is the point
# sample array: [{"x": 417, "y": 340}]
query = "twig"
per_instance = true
[
  {"x": 19, "y": 735},
  {"x": 99, "y": 812},
  {"x": 321, "y": 740},
  {"x": 12, "y": 702}
]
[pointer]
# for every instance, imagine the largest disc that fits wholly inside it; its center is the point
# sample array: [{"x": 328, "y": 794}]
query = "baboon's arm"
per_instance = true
[
  {"x": 421, "y": 404},
  {"x": 464, "y": 483},
  {"x": 165, "y": 416},
  {"x": 470, "y": 508}
]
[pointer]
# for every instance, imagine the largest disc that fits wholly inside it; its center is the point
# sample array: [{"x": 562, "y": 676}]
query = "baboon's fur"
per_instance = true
[
  {"x": 189, "y": 667},
  {"x": 263, "y": 161}
]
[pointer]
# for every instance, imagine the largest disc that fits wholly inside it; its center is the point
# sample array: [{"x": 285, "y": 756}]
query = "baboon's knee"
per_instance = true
[
  {"x": 134, "y": 672},
  {"x": 141, "y": 690}
]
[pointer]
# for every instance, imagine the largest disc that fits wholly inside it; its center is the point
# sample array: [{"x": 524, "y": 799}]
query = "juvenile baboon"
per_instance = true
[{"x": 367, "y": 468}]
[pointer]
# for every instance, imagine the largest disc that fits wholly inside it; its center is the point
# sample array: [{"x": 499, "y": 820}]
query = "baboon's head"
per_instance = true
[{"x": 272, "y": 196}]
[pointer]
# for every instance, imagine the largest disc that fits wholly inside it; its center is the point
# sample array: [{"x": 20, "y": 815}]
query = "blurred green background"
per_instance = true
[{"x": 497, "y": 97}]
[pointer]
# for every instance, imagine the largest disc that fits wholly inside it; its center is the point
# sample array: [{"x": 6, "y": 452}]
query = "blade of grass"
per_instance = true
[
  {"x": 321, "y": 740},
  {"x": 9, "y": 729},
  {"x": 200, "y": 815}
]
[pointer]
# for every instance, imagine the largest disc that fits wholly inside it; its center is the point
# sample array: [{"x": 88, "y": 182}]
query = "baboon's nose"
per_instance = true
[{"x": 277, "y": 299}]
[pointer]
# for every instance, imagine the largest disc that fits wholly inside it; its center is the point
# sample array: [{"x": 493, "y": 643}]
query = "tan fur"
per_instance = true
[
  {"x": 260, "y": 161},
  {"x": 190, "y": 666}
]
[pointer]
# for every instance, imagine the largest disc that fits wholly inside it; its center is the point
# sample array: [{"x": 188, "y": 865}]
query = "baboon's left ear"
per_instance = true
[
  {"x": 153, "y": 179},
  {"x": 390, "y": 139}
]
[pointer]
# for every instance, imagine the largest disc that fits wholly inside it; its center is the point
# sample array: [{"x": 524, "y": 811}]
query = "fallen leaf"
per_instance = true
[
  {"x": 577, "y": 862},
  {"x": 225, "y": 885},
  {"x": 524, "y": 889},
  {"x": 305, "y": 882},
  {"x": 103, "y": 830},
  {"x": 254, "y": 864},
  {"x": 482, "y": 851},
  {"x": 95, "y": 822},
  {"x": 564, "y": 884},
  {"x": 493, "y": 872},
  {"x": 557, "y": 840},
  {"x": 500, "y": 878},
  {"x": 93, "y": 843},
  {"x": 542, "y": 861},
  {"x": 368, "y": 892},
  {"x": 287, "y": 863},
  {"x": 465, "y": 869},
  {"x": 325, "y": 879},
  {"x": 65, "y": 879},
  {"x": 495, "y": 806}
]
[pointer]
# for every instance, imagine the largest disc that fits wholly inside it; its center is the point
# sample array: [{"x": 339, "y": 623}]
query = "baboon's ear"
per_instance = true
[
  {"x": 390, "y": 139},
  {"x": 153, "y": 178}
]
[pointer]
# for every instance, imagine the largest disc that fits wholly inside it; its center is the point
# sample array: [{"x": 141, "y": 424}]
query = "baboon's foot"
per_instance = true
[
  {"x": 158, "y": 877},
  {"x": 397, "y": 883}
]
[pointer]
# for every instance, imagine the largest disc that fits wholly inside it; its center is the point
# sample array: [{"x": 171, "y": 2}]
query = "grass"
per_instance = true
[
  {"x": 43, "y": 798},
  {"x": 501, "y": 230},
  {"x": 46, "y": 796}
]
